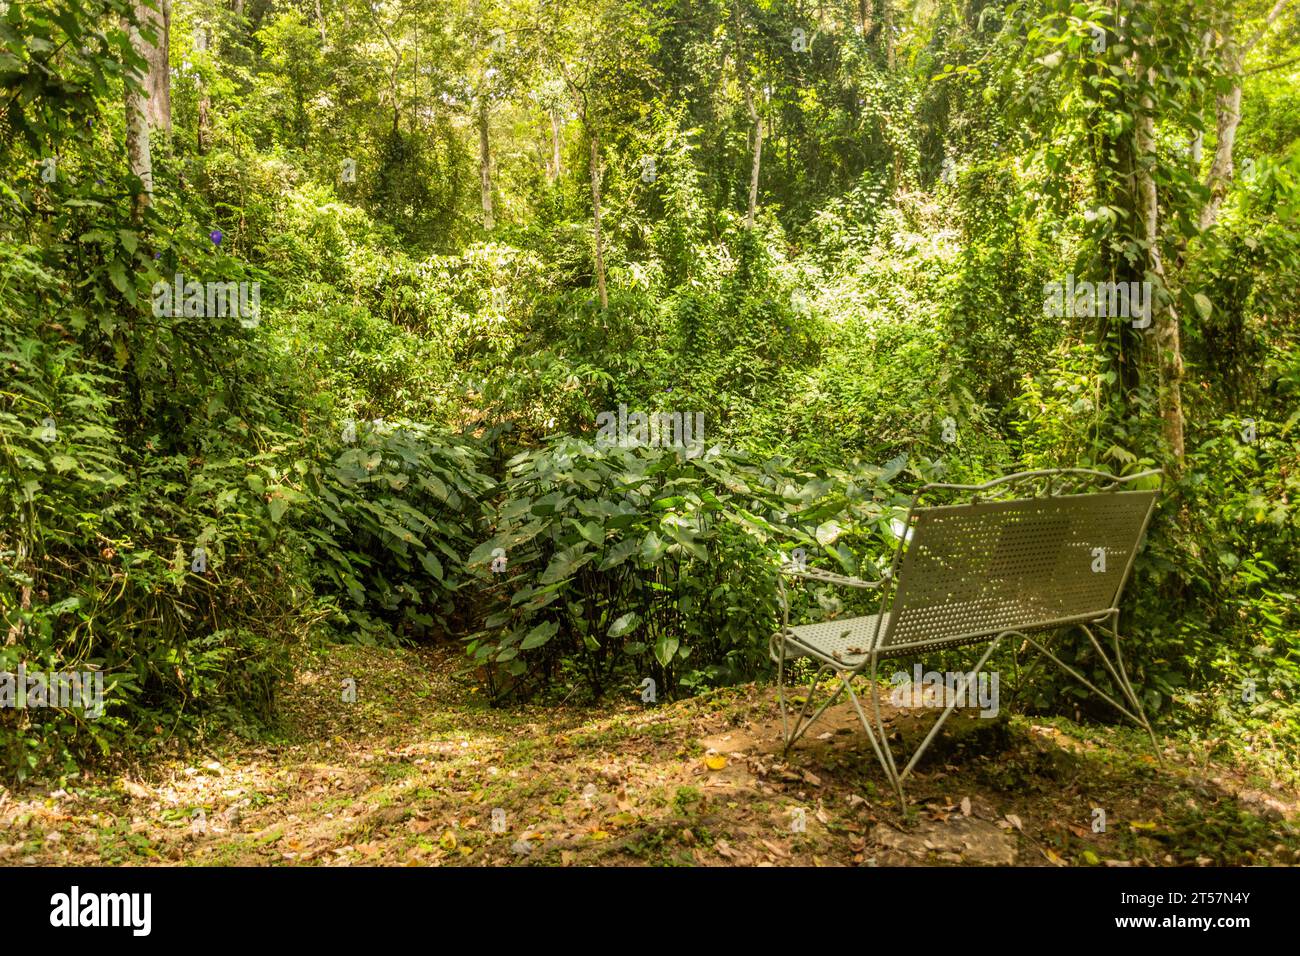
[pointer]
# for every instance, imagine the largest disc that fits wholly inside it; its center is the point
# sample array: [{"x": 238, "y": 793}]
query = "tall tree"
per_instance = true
[
  {"x": 1232, "y": 53},
  {"x": 485, "y": 162},
  {"x": 156, "y": 20},
  {"x": 744, "y": 69},
  {"x": 138, "y": 153}
]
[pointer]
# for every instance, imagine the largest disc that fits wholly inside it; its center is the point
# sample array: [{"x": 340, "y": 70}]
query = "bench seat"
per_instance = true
[{"x": 845, "y": 642}]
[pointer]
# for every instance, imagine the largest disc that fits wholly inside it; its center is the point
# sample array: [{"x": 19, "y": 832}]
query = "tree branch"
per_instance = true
[
  {"x": 1274, "y": 66},
  {"x": 1268, "y": 23}
]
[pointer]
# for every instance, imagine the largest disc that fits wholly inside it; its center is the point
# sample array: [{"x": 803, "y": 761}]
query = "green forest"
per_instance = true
[{"x": 409, "y": 410}]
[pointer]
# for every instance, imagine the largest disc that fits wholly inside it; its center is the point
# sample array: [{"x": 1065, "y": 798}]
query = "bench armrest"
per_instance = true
[
  {"x": 817, "y": 574},
  {"x": 777, "y": 643}
]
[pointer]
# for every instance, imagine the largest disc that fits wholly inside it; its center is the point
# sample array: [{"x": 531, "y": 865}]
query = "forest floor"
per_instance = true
[{"x": 413, "y": 770}]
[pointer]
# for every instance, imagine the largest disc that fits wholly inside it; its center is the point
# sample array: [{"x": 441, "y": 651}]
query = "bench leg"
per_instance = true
[
  {"x": 801, "y": 724},
  {"x": 791, "y": 734},
  {"x": 885, "y": 756},
  {"x": 1122, "y": 681},
  {"x": 960, "y": 693},
  {"x": 884, "y": 753},
  {"x": 892, "y": 772},
  {"x": 1137, "y": 715}
]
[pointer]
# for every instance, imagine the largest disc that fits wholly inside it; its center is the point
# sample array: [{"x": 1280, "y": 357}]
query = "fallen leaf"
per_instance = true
[
  {"x": 965, "y": 806},
  {"x": 715, "y": 761},
  {"x": 135, "y": 790}
]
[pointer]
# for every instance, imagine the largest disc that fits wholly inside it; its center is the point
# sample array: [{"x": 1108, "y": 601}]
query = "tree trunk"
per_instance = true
[
  {"x": 1115, "y": 180},
  {"x": 756, "y": 165},
  {"x": 138, "y": 157},
  {"x": 320, "y": 20},
  {"x": 742, "y": 68},
  {"x": 595, "y": 212},
  {"x": 1227, "y": 120},
  {"x": 205, "y": 100},
  {"x": 555, "y": 145},
  {"x": 1167, "y": 326},
  {"x": 887, "y": 28},
  {"x": 1228, "y": 113},
  {"x": 485, "y": 162},
  {"x": 158, "y": 81},
  {"x": 205, "y": 122}
]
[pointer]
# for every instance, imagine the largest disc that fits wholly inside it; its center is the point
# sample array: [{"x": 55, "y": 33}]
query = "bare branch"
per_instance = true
[{"x": 1268, "y": 23}]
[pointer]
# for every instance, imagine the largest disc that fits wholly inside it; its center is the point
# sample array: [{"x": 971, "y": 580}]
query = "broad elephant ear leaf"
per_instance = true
[
  {"x": 539, "y": 635},
  {"x": 828, "y": 532},
  {"x": 665, "y": 648},
  {"x": 623, "y": 624}
]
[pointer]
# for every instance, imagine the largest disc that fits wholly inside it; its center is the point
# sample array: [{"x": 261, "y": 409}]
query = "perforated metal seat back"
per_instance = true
[{"x": 973, "y": 571}]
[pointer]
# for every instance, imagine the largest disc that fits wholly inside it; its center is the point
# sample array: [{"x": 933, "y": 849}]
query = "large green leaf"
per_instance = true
[
  {"x": 665, "y": 648},
  {"x": 539, "y": 635},
  {"x": 624, "y": 624}
]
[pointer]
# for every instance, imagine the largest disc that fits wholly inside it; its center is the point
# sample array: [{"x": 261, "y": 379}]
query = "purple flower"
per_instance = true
[
  {"x": 157, "y": 255},
  {"x": 215, "y": 236}
]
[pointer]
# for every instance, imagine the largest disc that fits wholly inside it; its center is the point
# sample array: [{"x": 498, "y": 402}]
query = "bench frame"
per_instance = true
[{"x": 1046, "y": 482}]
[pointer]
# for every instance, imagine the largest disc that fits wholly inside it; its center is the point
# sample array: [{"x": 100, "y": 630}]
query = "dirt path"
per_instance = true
[{"x": 415, "y": 771}]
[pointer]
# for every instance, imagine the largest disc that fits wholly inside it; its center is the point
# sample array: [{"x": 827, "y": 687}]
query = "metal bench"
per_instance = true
[{"x": 1027, "y": 553}]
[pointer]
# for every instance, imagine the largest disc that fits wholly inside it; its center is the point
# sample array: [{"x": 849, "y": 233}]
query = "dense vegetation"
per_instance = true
[{"x": 478, "y": 225}]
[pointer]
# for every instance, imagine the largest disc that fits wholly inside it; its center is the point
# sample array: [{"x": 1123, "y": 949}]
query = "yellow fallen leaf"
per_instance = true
[
  {"x": 448, "y": 840},
  {"x": 715, "y": 761},
  {"x": 1141, "y": 825},
  {"x": 599, "y": 835},
  {"x": 622, "y": 819}
]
